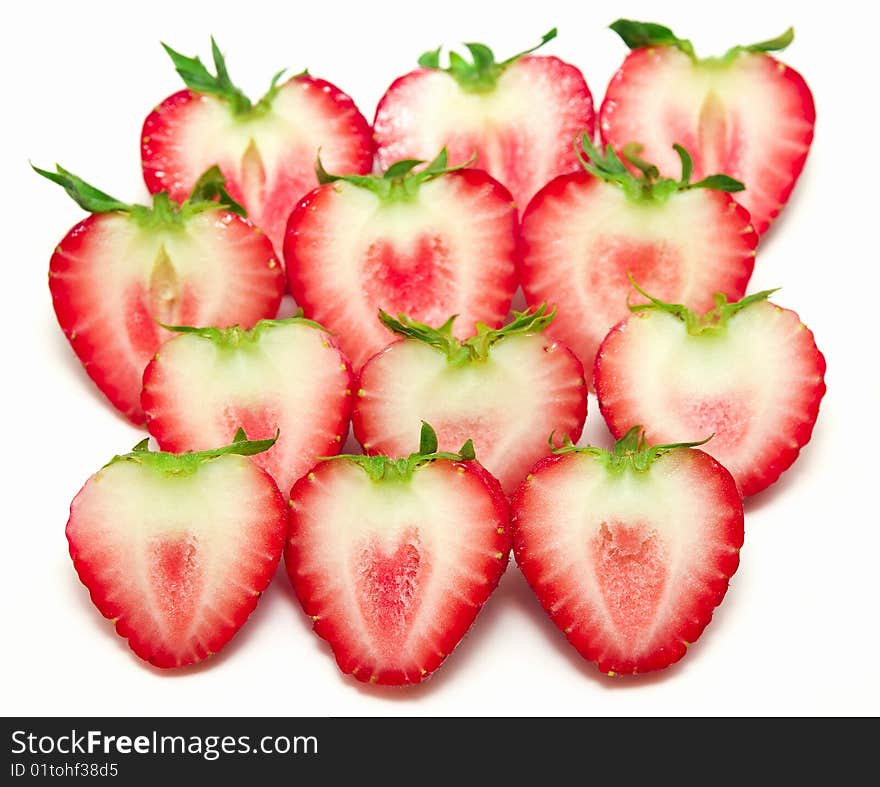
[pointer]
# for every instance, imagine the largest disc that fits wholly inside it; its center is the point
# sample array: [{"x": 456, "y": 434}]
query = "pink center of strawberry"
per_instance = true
[
  {"x": 658, "y": 263},
  {"x": 260, "y": 422},
  {"x": 418, "y": 280},
  {"x": 726, "y": 416},
  {"x": 176, "y": 579},
  {"x": 388, "y": 585},
  {"x": 630, "y": 562}
]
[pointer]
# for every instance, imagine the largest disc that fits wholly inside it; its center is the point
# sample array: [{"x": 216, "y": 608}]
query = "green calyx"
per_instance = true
[
  {"x": 401, "y": 181},
  {"x": 631, "y": 452},
  {"x": 209, "y": 193},
  {"x": 384, "y": 468},
  {"x": 637, "y": 35},
  {"x": 475, "y": 348},
  {"x": 647, "y": 186},
  {"x": 199, "y": 79},
  {"x": 712, "y": 323},
  {"x": 480, "y": 75},
  {"x": 235, "y": 337},
  {"x": 181, "y": 465}
]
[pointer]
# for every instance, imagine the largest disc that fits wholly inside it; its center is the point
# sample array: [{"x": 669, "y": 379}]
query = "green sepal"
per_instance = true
[
  {"x": 648, "y": 185},
  {"x": 186, "y": 464},
  {"x": 197, "y": 78},
  {"x": 630, "y": 452},
  {"x": 713, "y": 322},
  {"x": 637, "y": 35},
  {"x": 236, "y": 336},
  {"x": 480, "y": 75},
  {"x": 401, "y": 181},
  {"x": 475, "y": 348},
  {"x": 207, "y": 194},
  {"x": 384, "y": 468}
]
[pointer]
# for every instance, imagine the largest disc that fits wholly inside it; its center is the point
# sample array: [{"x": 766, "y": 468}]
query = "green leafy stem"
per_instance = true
[
  {"x": 384, "y": 468},
  {"x": 475, "y": 348},
  {"x": 209, "y": 193}
]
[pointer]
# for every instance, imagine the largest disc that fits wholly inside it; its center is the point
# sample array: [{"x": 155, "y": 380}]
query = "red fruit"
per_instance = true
[
  {"x": 285, "y": 375},
  {"x": 431, "y": 243},
  {"x": 748, "y": 373},
  {"x": 519, "y": 116},
  {"x": 393, "y": 558},
  {"x": 265, "y": 149},
  {"x": 629, "y": 550},
  {"x": 586, "y": 233},
  {"x": 127, "y": 268},
  {"x": 176, "y": 549},
  {"x": 508, "y": 390},
  {"x": 744, "y": 113}
]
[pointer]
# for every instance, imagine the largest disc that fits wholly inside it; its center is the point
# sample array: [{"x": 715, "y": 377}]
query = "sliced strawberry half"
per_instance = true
[
  {"x": 585, "y": 233},
  {"x": 508, "y": 390},
  {"x": 127, "y": 268},
  {"x": 429, "y": 243},
  {"x": 176, "y": 549},
  {"x": 393, "y": 558},
  {"x": 749, "y": 373},
  {"x": 744, "y": 113},
  {"x": 285, "y": 375},
  {"x": 519, "y": 116},
  {"x": 629, "y": 551},
  {"x": 265, "y": 149}
]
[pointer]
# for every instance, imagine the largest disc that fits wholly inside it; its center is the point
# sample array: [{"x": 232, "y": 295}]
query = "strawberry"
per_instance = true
[
  {"x": 127, "y": 268},
  {"x": 430, "y": 243},
  {"x": 585, "y": 231},
  {"x": 285, "y": 375},
  {"x": 749, "y": 373},
  {"x": 265, "y": 149},
  {"x": 629, "y": 551},
  {"x": 507, "y": 389},
  {"x": 744, "y": 113},
  {"x": 176, "y": 549},
  {"x": 393, "y": 558},
  {"x": 519, "y": 115}
]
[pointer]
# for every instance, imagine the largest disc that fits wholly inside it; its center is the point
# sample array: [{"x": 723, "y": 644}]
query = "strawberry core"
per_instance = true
[{"x": 176, "y": 579}]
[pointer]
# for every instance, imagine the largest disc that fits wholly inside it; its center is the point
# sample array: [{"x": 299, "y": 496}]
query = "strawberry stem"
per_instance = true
[
  {"x": 632, "y": 451},
  {"x": 235, "y": 336},
  {"x": 480, "y": 75},
  {"x": 384, "y": 468},
  {"x": 475, "y": 348},
  {"x": 712, "y": 322}
]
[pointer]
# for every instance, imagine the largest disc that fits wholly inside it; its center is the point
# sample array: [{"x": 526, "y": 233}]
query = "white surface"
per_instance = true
[{"x": 798, "y": 632}]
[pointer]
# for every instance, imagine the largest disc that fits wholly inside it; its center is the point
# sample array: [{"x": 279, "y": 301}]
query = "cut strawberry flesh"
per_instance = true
[
  {"x": 629, "y": 565},
  {"x": 293, "y": 379},
  {"x": 756, "y": 388},
  {"x": 751, "y": 118},
  {"x": 582, "y": 237},
  {"x": 521, "y": 131},
  {"x": 268, "y": 159},
  {"x": 112, "y": 280},
  {"x": 449, "y": 250},
  {"x": 394, "y": 573},
  {"x": 177, "y": 562},
  {"x": 508, "y": 405}
]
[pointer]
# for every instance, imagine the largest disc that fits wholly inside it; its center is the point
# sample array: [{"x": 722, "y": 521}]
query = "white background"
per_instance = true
[{"x": 798, "y": 632}]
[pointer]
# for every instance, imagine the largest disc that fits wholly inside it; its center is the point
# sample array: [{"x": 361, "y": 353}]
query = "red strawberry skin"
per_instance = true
[
  {"x": 759, "y": 399},
  {"x": 177, "y": 586},
  {"x": 451, "y": 252},
  {"x": 522, "y": 132},
  {"x": 189, "y": 131},
  {"x": 752, "y": 119},
  {"x": 581, "y": 238},
  {"x": 111, "y": 281},
  {"x": 615, "y": 591},
  {"x": 394, "y": 599}
]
